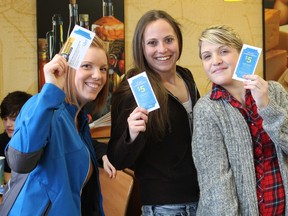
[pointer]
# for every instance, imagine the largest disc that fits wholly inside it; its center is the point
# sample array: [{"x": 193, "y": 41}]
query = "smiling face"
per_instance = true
[
  {"x": 92, "y": 75},
  {"x": 219, "y": 62},
  {"x": 160, "y": 45}
]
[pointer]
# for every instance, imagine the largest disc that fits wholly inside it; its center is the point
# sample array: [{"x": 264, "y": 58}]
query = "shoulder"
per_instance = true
[
  {"x": 274, "y": 85},
  {"x": 208, "y": 108},
  {"x": 205, "y": 101},
  {"x": 276, "y": 90},
  {"x": 278, "y": 96},
  {"x": 122, "y": 91},
  {"x": 186, "y": 75},
  {"x": 184, "y": 72}
]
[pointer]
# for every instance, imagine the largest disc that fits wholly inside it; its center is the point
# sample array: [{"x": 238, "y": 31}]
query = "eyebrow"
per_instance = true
[{"x": 168, "y": 36}]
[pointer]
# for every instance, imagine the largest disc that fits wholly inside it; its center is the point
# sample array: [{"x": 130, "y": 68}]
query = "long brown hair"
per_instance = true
[
  {"x": 70, "y": 89},
  {"x": 158, "y": 119}
]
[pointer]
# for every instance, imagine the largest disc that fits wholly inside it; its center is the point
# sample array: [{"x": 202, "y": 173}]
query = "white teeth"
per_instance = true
[
  {"x": 92, "y": 85},
  {"x": 163, "y": 58}
]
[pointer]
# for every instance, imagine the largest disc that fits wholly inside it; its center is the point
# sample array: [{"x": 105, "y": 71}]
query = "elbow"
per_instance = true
[
  {"x": 22, "y": 162},
  {"x": 118, "y": 162}
]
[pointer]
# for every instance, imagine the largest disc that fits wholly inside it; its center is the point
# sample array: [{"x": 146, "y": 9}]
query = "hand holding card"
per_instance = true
[
  {"x": 143, "y": 92},
  {"x": 76, "y": 46}
]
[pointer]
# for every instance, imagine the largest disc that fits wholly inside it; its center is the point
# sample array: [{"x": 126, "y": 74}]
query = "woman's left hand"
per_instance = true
[
  {"x": 259, "y": 89},
  {"x": 108, "y": 167}
]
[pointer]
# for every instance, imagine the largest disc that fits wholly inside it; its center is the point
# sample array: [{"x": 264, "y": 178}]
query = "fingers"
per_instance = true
[
  {"x": 55, "y": 70},
  {"x": 259, "y": 90},
  {"x": 139, "y": 113},
  {"x": 57, "y": 64},
  {"x": 108, "y": 171},
  {"x": 137, "y": 122},
  {"x": 254, "y": 82},
  {"x": 138, "y": 119},
  {"x": 113, "y": 170},
  {"x": 108, "y": 167}
]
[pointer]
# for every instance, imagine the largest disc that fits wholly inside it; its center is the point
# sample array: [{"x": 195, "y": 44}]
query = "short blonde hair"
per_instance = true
[{"x": 220, "y": 34}]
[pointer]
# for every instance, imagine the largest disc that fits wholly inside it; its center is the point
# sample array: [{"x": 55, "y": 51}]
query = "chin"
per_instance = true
[
  {"x": 92, "y": 98},
  {"x": 222, "y": 80},
  {"x": 89, "y": 96}
]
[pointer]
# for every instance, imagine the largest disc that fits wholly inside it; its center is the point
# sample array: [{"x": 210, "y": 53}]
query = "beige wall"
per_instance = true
[{"x": 18, "y": 47}]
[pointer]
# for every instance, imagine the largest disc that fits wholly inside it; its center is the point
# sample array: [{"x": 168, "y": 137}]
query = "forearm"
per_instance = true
[
  {"x": 100, "y": 149},
  {"x": 123, "y": 154}
]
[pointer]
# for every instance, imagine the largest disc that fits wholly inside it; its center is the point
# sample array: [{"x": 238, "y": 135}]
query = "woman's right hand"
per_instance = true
[
  {"x": 137, "y": 121},
  {"x": 55, "y": 70}
]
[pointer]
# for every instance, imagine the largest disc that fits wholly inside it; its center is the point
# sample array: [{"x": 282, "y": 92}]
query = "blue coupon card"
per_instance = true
[
  {"x": 143, "y": 92},
  {"x": 247, "y": 61}
]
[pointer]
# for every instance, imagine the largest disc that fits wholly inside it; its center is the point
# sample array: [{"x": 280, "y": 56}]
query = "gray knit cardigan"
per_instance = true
[{"x": 223, "y": 153}]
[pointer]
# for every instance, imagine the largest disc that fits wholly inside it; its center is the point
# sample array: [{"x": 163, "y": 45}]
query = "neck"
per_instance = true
[
  {"x": 237, "y": 90},
  {"x": 169, "y": 77}
]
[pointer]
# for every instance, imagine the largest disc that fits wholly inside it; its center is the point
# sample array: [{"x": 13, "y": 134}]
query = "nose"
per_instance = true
[
  {"x": 9, "y": 122},
  {"x": 217, "y": 60},
  {"x": 96, "y": 74},
  {"x": 162, "y": 47}
]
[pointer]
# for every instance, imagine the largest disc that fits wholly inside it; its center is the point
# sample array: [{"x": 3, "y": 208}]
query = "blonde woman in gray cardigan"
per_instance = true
[{"x": 240, "y": 139}]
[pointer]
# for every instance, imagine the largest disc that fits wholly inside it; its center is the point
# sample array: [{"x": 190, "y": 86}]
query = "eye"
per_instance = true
[
  {"x": 206, "y": 57},
  {"x": 224, "y": 51},
  {"x": 169, "y": 40},
  {"x": 86, "y": 66},
  {"x": 104, "y": 69},
  {"x": 152, "y": 43}
]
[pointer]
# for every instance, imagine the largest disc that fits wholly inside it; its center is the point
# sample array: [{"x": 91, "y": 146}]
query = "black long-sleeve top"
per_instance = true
[
  {"x": 4, "y": 139},
  {"x": 165, "y": 170}
]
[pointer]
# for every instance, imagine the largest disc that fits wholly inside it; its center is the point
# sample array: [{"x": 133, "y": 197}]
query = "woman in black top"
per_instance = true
[{"x": 158, "y": 145}]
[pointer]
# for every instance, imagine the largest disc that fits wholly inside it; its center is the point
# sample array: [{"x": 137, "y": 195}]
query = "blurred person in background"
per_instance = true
[{"x": 9, "y": 110}]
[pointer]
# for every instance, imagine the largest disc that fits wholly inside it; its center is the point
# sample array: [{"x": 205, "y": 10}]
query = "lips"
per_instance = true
[
  {"x": 10, "y": 131},
  {"x": 219, "y": 69},
  {"x": 93, "y": 85},
  {"x": 164, "y": 58}
]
